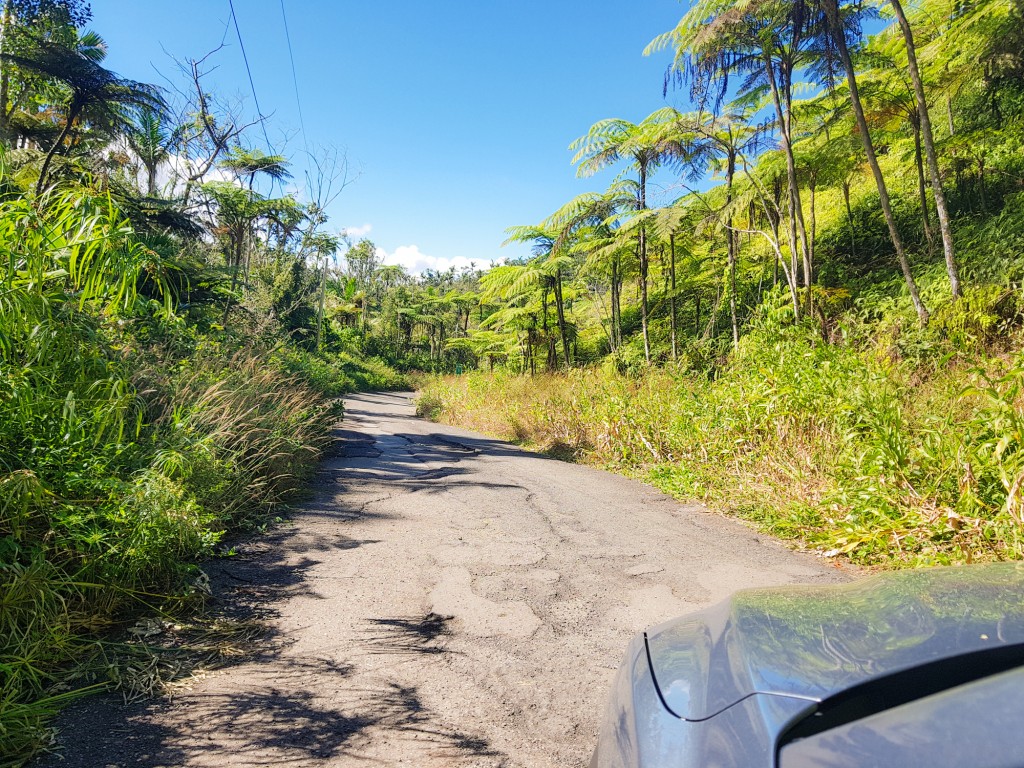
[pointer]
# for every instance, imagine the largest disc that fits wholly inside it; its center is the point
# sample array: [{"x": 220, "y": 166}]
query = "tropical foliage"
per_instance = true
[
  {"x": 819, "y": 326},
  {"x": 168, "y": 373},
  {"x": 799, "y": 299}
]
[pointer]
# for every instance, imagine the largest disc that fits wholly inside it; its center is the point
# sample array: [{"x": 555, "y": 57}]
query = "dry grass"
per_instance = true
[{"x": 830, "y": 447}]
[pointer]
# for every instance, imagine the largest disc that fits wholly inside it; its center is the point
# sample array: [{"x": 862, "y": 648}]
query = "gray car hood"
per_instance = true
[{"x": 812, "y": 642}]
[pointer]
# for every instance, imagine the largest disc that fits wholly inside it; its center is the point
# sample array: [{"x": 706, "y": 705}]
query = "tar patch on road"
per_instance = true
[{"x": 349, "y": 444}]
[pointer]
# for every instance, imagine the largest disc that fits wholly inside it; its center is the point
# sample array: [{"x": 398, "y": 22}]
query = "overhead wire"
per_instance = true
[
  {"x": 298, "y": 100},
  {"x": 248, "y": 71}
]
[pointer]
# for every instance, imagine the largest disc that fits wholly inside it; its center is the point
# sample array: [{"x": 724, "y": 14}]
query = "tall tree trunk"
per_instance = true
[
  {"x": 794, "y": 261},
  {"x": 236, "y": 256},
  {"x": 839, "y": 38},
  {"x": 773, "y": 213},
  {"x": 44, "y": 171},
  {"x": 941, "y": 209},
  {"x": 672, "y": 299},
  {"x": 5, "y": 89},
  {"x": 643, "y": 312},
  {"x": 809, "y": 257},
  {"x": 784, "y": 116},
  {"x": 248, "y": 264},
  {"x": 616, "y": 333},
  {"x": 548, "y": 342},
  {"x": 921, "y": 190},
  {"x": 643, "y": 264},
  {"x": 560, "y": 310},
  {"x": 321, "y": 309},
  {"x": 731, "y": 246},
  {"x": 6, "y": 20}
]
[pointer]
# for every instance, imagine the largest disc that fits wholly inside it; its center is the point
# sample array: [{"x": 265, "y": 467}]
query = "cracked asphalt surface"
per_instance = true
[{"x": 446, "y": 600}]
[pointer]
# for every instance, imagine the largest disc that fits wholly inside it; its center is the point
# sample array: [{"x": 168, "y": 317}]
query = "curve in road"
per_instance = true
[{"x": 447, "y": 599}]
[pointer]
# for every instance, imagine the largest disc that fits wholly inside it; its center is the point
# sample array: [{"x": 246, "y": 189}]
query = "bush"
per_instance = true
[
  {"x": 338, "y": 373},
  {"x": 840, "y": 448},
  {"x": 128, "y": 445}
]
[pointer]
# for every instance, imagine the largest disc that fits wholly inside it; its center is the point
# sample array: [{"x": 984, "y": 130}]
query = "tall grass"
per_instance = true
[
  {"x": 339, "y": 373},
  {"x": 118, "y": 469},
  {"x": 851, "y": 450}
]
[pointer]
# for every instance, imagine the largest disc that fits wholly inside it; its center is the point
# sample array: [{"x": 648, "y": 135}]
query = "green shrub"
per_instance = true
[
  {"x": 122, "y": 461},
  {"x": 338, "y": 373},
  {"x": 842, "y": 448}
]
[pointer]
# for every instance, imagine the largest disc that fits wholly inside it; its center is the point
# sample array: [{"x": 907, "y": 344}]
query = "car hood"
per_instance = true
[
  {"x": 812, "y": 642},
  {"x": 977, "y": 724}
]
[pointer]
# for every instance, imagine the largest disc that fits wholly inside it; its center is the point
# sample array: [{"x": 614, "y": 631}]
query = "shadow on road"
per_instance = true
[
  {"x": 412, "y": 635},
  {"x": 277, "y": 707}
]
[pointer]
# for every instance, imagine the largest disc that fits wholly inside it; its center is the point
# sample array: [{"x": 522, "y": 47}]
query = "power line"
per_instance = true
[
  {"x": 248, "y": 71},
  {"x": 298, "y": 101}
]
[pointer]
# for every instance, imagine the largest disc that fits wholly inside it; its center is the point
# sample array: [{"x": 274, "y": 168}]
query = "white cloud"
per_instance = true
[
  {"x": 357, "y": 232},
  {"x": 170, "y": 174},
  {"x": 416, "y": 262},
  {"x": 176, "y": 170}
]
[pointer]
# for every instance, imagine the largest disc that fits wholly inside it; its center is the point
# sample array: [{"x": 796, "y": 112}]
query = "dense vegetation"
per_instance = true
[
  {"x": 822, "y": 332},
  {"x": 173, "y": 340},
  {"x": 801, "y": 301}
]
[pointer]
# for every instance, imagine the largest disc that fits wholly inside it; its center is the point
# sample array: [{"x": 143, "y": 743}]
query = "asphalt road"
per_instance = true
[{"x": 446, "y": 600}]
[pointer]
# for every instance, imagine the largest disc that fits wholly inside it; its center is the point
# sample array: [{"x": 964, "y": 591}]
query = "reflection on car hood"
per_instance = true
[{"x": 812, "y": 642}]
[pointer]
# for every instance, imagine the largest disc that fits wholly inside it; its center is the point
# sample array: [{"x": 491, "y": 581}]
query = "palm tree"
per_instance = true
[
  {"x": 924, "y": 120},
  {"x": 819, "y": 161},
  {"x": 324, "y": 246},
  {"x": 92, "y": 88},
  {"x": 890, "y": 102},
  {"x": 763, "y": 45},
  {"x": 645, "y": 146},
  {"x": 545, "y": 271},
  {"x": 587, "y": 226},
  {"x": 464, "y": 303},
  {"x": 834, "y": 45},
  {"x": 247, "y": 164},
  {"x": 722, "y": 140},
  {"x": 149, "y": 141},
  {"x": 671, "y": 224},
  {"x": 63, "y": 16},
  {"x": 764, "y": 190},
  {"x": 237, "y": 210},
  {"x": 520, "y": 291},
  {"x": 490, "y": 344}
]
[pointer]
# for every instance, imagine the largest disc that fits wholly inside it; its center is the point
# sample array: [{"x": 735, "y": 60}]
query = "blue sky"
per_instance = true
[{"x": 455, "y": 116}]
